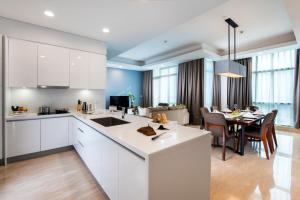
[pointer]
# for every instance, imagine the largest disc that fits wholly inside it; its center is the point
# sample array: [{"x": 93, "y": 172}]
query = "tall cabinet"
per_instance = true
[{"x": 1, "y": 99}]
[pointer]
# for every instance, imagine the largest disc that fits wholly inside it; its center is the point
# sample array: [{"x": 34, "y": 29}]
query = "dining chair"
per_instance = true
[
  {"x": 273, "y": 127},
  {"x": 203, "y": 111},
  {"x": 263, "y": 133},
  {"x": 217, "y": 125},
  {"x": 253, "y": 108}
]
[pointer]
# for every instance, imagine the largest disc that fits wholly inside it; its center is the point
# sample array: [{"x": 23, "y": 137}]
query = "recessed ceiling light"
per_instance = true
[
  {"x": 49, "y": 13},
  {"x": 105, "y": 30}
]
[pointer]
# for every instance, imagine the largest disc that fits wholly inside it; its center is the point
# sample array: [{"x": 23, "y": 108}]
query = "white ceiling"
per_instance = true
[
  {"x": 131, "y": 21},
  {"x": 140, "y": 27},
  {"x": 264, "y": 22}
]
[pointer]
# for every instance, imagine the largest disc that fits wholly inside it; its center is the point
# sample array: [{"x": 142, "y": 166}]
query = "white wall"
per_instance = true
[
  {"x": 55, "y": 98},
  {"x": 35, "y": 33}
]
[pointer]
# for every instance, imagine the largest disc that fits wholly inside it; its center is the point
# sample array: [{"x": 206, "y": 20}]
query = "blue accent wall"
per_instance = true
[{"x": 120, "y": 82}]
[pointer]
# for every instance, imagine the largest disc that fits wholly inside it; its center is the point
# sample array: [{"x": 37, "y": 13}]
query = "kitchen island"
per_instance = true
[
  {"x": 130, "y": 166},
  {"x": 175, "y": 166}
]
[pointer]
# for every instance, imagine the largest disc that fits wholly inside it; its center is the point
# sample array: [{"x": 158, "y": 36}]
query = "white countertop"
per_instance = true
[
  {"x": 32, "y": 116},
  {"x": 127, "y": 135}
]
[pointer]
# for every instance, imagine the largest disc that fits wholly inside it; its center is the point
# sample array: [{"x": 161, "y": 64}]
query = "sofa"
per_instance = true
[{"x": 177, "y": 113}]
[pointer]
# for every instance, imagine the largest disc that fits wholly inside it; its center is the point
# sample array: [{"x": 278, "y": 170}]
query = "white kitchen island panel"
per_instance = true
[{"x": 130, "y": 166}]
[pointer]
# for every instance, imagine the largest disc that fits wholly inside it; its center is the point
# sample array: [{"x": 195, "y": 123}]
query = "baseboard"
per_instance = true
[
  {"x": 38, "y": 154},
  {"x": 288, "y": 129}
]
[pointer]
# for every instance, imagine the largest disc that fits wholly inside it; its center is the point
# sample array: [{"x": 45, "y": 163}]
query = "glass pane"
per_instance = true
[
  {"x": 172, "y": 89},
  {"x": 164, "y": 71},
  {"x": 173, "y": 70},
  {"x": 208, "y": 82},
  {"x": 156, "y": 72},
  {"x": 155, "y": 92},
  {"x": 163, "y": 90},
  {"x": 273, "y": 83}
]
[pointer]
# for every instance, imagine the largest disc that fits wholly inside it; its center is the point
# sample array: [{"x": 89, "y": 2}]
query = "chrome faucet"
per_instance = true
[{"x": 123, "y": 112}]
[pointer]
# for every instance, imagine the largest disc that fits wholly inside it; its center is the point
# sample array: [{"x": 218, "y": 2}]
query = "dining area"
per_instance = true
[{"x": 236, "y": 128}]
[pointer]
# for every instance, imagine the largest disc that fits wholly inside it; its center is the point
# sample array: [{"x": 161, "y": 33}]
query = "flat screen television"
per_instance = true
[{"x": 119, "y": 101}]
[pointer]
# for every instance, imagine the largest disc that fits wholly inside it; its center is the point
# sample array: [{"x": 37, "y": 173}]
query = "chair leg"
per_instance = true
[
  {"x": 264, "y": 140},
  {"x": 238, "y": 143},
  {"x": 270, "y": 142},
  {"x": 274, "y": 136},
  {"x": 224, "y": 147}
]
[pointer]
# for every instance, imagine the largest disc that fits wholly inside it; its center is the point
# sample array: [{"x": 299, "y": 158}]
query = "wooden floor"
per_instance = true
[
  {"x": 64, "y": 176},
  {"x": 61, "y": 176}
]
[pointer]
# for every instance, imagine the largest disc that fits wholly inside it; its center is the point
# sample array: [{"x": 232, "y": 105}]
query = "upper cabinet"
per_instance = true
[
  {"x": 97, "y": 71},
  {"x": 22, "y": 62},
  {"x": 79, "y": 69},
  {"x": 53, "y": 66},
  {"x": 33, "y": 64}
]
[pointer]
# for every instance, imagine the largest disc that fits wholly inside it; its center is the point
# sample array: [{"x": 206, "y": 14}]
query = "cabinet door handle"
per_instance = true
[
  {"x": 80, "y": 130},
  {"x": 80, "y": 144}
]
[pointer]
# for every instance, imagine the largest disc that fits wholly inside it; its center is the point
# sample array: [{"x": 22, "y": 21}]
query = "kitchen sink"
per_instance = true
[{"x": 109, "y": 121}]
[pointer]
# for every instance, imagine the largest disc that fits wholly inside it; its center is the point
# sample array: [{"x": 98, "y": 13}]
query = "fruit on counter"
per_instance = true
[
  {"x": 164, "y": 118},
  {"x": 19, "y": 109},
  {"x": 160, "y": 118}
]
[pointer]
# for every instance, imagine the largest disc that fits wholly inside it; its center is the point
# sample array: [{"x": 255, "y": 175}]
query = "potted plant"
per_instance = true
[{"x": 132, "y": 99}]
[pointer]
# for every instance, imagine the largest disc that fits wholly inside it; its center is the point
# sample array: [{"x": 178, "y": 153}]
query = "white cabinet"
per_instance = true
[
  {"x": 32, "y": 64},
  {"x": 54, "y": 133},
  {"x": 109, "y": 170},
  {"x": 79, "y": 69},
  {"x": 120, "y": 173},
  {"x": 100, "y": 155},
  {"x": 71, "y": 122},
  {"x": 97, "y": 71},
  {"x": 53, "y": 66},
  {"x": 23, "y": 137},
  {"x": 22, "y": 63},
  {"x": 132, "y": 176}
]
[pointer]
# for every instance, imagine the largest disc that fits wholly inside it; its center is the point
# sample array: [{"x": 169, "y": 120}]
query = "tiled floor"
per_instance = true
[
  {"x": 254, "y": 177},
  {"x": 63, "y": 176}
]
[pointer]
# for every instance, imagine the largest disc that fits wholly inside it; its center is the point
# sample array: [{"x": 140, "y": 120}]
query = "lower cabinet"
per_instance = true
[
  {"x": 132, "y": 176},
  {"x": 23, "y": 137},
  {"x": 54, "y": 133},
  {"x": 31, "y": 136},
  {"x": 121, "y": 173}
]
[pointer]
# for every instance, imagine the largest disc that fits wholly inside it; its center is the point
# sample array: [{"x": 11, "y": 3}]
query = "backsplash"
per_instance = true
[{"x": 55, "y": 98}]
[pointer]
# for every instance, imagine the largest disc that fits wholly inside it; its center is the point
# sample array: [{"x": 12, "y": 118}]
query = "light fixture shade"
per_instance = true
[{"x": 230, "y": 68}]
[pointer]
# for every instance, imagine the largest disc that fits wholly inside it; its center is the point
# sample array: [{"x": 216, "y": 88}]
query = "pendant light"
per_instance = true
[{"x": 230, "y": 68}]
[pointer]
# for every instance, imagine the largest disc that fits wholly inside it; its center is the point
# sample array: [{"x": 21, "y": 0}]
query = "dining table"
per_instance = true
[{"x": 242, "y": 123}]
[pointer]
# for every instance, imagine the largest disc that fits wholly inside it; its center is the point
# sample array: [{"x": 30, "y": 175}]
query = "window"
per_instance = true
[
  {"x": 165, "y": 85},
  {"x": 208, "y": 82},
  {"x": 273, "y": 83}
]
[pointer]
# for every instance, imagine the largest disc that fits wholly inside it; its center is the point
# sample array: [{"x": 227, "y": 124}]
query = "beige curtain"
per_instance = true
[
  {"x": 148, "y": 89},
  {"x": 297, "y": 91},
  {"x": 191, "y": 87},
  {"x": 239, "y": 90}
]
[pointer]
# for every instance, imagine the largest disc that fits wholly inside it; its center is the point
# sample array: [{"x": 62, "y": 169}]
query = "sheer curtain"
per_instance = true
[
  {"x": 273, "y": 84},
  {"x": 165, "y": 85},
  {"x": 208, "y": 82}
]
